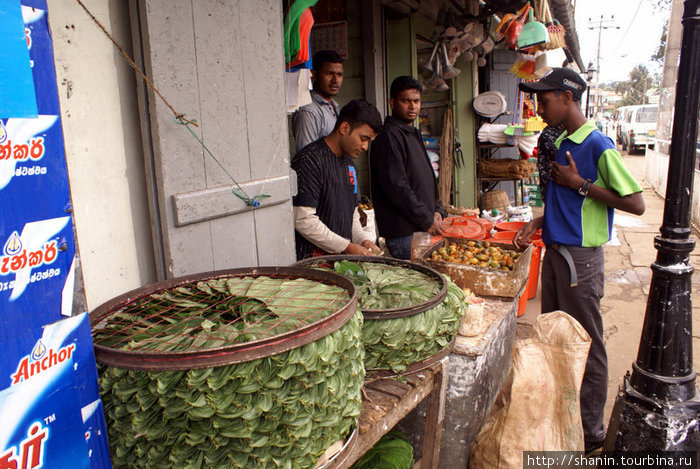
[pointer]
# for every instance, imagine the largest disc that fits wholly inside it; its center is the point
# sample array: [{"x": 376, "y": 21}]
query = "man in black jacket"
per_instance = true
[{"x": 404, "y": 190}]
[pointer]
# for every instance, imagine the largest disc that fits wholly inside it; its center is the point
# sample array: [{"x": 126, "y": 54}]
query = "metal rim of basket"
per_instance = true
[
  {"x": 376, "y": 374},
  {"x": 339, "y": 458},
  {"x": 378, "y": 314},
  {"x": 229, "y": 354}
]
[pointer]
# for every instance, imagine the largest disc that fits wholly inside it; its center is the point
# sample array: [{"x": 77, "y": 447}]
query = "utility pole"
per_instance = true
[
  {"x": 600, "y": 25},
  {"x": 658, "y": 404}
]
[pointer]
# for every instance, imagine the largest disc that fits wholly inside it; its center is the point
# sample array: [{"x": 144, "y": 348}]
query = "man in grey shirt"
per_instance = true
[{"x": 317, "y": 120}]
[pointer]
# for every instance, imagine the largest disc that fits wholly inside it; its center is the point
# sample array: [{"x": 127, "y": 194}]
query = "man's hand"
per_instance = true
[
  {"x": 524, "y": 235},
  {"x": 371, "y": 246},
  {"x": 436, "y": 228},
  {"x": 567, "y": 175},
  {"x": 357, "y": 250}
]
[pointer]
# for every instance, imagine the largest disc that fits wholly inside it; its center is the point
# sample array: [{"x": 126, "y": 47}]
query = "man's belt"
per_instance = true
[{"x": 561, "y": 249}]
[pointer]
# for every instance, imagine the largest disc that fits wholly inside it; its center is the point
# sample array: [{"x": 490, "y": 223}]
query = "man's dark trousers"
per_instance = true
[{"x": 582, "y": 302}]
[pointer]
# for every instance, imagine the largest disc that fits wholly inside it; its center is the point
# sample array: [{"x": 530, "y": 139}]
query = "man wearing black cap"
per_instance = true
[{"x": 589, "y": 181}]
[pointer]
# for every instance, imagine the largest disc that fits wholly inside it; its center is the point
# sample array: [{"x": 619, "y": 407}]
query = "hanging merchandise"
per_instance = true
[
  {"x": 470, "y": 37},
  {"x": 557, "y": 33},
  {"x": 292, "y": 38},
  {"x": 428, "y": 66},
  {"x": 535, "y": 124},
  {"x": 510, "y": 27},
  {"x": 446, "y": 159},
  {"x": 528, "y": 107},
  {"x": 513, "y": 31},
  {"x": 297, "y": 88},
  {"x": 515, "y": 130},
  {"x": 504, "y": 25},
  {"x": 303, "y": 57},
  {"x": 524, "y": 67},
  {"x": 436, "y": 82},
  {"x": 485, "y": 47},
  {"x": 459, "y": 36},
  {"x": 533, "y": 34},
  {"x": 448, "y": 70},
  {"x": 557, "y": 36},
  {"x": 530, "y": 66}
]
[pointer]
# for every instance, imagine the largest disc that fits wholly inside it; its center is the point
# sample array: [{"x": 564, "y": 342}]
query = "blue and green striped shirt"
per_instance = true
[{"x": 571, "y": 219}]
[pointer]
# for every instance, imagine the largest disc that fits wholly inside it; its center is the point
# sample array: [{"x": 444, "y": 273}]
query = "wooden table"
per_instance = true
[{"x": 386, "y": 401}]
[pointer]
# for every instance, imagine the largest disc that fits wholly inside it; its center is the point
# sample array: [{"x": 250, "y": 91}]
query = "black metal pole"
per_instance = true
[
  {"x": 657, "y": 407},
  {"x": 588, "y": 97}
]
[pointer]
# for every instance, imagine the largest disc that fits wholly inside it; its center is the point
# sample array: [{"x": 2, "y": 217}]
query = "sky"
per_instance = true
[{"x": 641, "y": 25}]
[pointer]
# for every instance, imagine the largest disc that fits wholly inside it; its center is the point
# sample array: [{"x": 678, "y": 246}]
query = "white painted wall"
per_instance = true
[
  {"x": 103, "y": 148},
  {"x": 656, "y": 173}
]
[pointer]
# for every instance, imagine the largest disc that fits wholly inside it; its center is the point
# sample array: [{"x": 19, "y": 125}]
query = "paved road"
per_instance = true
[{"x": 628, "y": 275}]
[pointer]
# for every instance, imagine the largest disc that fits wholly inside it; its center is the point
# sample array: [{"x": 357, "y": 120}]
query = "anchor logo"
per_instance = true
[
  {"x": 13, "y": 245},
  {"x": 38, "y": 351},
  {"x": 3, "y": 133}
]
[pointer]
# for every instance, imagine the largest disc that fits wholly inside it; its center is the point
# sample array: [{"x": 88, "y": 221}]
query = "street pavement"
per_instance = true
[{"x": 628, "y": 257}]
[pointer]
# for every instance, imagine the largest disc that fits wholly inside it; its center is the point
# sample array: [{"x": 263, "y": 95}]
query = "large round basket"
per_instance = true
[
  {"x": 494, "y": 199},
  {"x": 395, "y": 338},
  {"x": 258, "y": 367}
]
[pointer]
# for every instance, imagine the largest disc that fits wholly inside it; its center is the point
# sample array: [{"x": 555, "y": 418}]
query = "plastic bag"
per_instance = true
[{"x": 538, "y": 406}]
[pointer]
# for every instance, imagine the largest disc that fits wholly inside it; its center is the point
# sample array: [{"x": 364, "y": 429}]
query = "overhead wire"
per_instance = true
[{"x": 629, "y": 26}]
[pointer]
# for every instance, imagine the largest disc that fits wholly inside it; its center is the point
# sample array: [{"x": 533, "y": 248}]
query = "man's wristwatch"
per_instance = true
[{"x": 583, "y": 190}]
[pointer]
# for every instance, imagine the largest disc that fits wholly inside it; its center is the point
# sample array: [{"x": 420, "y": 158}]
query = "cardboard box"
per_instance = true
[{"x": 481, "y": 280}]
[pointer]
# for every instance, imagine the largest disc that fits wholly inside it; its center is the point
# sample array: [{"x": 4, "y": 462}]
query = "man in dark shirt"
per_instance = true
[
  {"x": 326, "y": 219},
  {"x": 404, "y": 191}
]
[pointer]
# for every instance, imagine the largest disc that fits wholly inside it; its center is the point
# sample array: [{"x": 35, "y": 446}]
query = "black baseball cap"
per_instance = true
[{"x": 563, "y": 79}]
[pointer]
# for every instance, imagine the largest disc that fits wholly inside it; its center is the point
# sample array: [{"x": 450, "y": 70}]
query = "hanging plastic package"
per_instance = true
[{"x": 292, "y": 39}]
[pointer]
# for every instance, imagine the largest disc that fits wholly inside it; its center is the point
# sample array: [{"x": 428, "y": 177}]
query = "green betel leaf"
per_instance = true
[
  {"x": 393, "y": 451},
  {"x": 350, "y": 269},
  {"x": 397, "y": 343},
  {"x": 281, "y": 411}
]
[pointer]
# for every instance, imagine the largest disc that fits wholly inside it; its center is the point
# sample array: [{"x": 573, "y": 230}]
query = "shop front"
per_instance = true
[{"x": 166, "y": 226}]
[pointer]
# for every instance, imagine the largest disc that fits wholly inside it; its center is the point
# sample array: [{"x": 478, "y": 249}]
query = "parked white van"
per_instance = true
[
  {"x": 618, "y": 117},
  {"x": 637, "y": 126}
]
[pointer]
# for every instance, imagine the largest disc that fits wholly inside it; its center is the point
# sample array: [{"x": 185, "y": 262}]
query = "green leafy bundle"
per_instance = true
[
  {"x": 396, "y": 343},
  {"x": 219, "y": 312},
  {"x": 393, "y": 451},
  {"x": 384, "y": 286},
  {"x": 280, "y": 411}
]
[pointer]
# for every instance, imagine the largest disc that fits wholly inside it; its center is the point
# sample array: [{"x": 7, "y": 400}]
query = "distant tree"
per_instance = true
[
  {"x": 658, "y": 56},
  {"x": 634, "y": 89},
  {"x": 661, "y": 4}
]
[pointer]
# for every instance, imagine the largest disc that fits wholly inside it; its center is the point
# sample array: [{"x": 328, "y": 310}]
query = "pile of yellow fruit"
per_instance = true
[{"x": 478, "y": 253}]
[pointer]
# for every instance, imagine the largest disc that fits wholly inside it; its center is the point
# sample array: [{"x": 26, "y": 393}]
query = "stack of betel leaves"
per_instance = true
[
  {"x": 282, "y": 410},
  {"x": 391, "y": 342}
]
